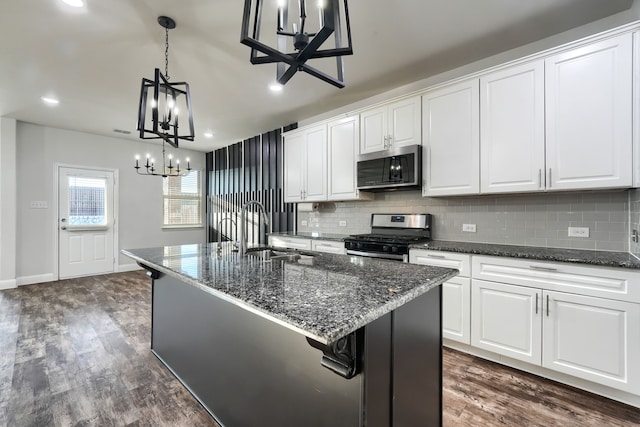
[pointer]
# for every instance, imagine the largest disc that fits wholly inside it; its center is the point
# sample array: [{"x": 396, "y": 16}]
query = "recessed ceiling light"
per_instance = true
[
  {"x": 275, "y": 87},
  {"x": 208, "y": 134},
  {"x": 49, "y": 101},
  {"x": 74, "y": 3}
]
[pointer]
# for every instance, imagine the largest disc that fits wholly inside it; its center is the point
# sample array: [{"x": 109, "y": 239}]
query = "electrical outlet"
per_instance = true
[
  {"x": 39, "y": 205},
  {"x": 469, "y": 228},
  {"x": 304, "y": 222},
  {"x": 578, "y": 232},
  {"x": 342, "y": 223}
]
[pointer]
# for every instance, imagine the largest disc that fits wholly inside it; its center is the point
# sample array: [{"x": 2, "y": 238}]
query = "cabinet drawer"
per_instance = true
[
  {"x": 461, "y": 262},
  {"x": 613, "y": 283},
  {"x": 329, "y": 247},
  {"x": 289, "y": 242}
]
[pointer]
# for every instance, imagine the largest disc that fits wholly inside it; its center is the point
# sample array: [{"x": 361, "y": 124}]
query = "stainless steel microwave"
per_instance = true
[{"x": 393, "y": 169}]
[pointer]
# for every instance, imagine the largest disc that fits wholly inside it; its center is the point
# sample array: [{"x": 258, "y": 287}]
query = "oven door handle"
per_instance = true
[{"x": 376, "y": 255}]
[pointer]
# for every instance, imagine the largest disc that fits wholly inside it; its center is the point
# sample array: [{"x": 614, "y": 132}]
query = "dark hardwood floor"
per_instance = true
[{"x": 76, "y": 353}]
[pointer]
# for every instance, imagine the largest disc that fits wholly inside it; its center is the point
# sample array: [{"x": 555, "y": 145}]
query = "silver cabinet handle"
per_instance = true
[
  {"x": 536, "y": 303},
  {"x": 547, "y": 305},
  {"x": 539, "y": 178},
  {"x": 436, "y": 256},
  {"x": 549, "y": 178},
  {"x": 539, "y": 267}
]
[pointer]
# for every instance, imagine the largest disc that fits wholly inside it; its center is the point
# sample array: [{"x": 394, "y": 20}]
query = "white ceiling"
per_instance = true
[{"x": 93, "y": 59}]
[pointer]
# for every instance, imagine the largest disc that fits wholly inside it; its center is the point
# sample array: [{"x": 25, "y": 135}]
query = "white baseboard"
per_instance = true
[
  {"x": 128, "y": 267},
  {"x": 8, "y": 284},
  {"x": 37, "y": 278}
]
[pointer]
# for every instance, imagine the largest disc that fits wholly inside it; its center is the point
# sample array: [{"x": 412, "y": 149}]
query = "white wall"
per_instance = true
[
  {"x": 40, "y": 149},
  {"x": 7, "y": 203}
]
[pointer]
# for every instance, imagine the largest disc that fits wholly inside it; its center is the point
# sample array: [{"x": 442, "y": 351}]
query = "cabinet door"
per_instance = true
[
  {"x": 344, "y": 137},
  {"x": 373, "y": 125},
  {"x": 405, "y": 123},
  {"x": 456, "y": 309},
  {"x": 506, "y": 319},
  {"x": 512, "y": 129},
  {"x": 593, "y": 338},
  {"x": 451, "y": 140},
  {"x": 316, "y": 164},
  {"x": 589, "y": 117},
  {"x": 294, "y": 146}
]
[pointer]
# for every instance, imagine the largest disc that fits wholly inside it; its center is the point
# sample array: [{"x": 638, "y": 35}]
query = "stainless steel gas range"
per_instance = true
[{"x": 391, "y": 235}]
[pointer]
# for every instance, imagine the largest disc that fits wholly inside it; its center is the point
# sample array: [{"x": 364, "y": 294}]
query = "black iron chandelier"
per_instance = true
[
  {"x": 297, "y": 45},
  {"x": 173, "y": 100},
  {"x": 165, "y": 170},
  {"x": 162, "y": 102}
]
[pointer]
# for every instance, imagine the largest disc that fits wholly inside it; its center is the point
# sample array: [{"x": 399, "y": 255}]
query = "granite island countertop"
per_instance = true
[
  {"x": 323, "y": 297},
  {"x": 576, "y": 256}
]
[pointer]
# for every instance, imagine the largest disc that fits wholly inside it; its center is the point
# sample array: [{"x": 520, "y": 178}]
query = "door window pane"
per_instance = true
[{"x": 87, "y": 201}]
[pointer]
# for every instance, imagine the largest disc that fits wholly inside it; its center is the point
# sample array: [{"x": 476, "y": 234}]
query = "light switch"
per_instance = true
[{"x": 39, "y": 204}]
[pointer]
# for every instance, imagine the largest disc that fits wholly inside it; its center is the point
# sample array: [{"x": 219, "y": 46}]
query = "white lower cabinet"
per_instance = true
[
  {"x": 592, "y": 338},
  {"x": 456, "y": 297},
  {"x": 456, "y": 306},
  {"x": 526, "y": 316},
  {"x": 506, "y": 319}
]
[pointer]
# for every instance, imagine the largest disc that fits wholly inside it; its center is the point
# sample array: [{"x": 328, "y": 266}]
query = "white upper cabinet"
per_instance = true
[
  {"x": 451, "y": 140},
  {"x": 512, "y": 129},
  {"x": 397, "y": 124},
  {"x": 589, "y": 116},
  {"x": 293, "y": 169},
  {"x": 344, "y": 137},
  {"x": 305, "y": 166}
]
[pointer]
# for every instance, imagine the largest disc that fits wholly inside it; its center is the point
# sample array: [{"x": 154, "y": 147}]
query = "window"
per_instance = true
[
  {"x": 182, "y": 201},
  {"x": 87, "y": 201}
]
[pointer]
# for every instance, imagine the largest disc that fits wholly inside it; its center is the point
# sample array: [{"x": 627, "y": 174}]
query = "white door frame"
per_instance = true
[{"x": 56, "y": 222}]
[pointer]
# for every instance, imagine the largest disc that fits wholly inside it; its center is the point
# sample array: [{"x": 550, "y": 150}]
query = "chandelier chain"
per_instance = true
[{"x": 166, "y": 53}]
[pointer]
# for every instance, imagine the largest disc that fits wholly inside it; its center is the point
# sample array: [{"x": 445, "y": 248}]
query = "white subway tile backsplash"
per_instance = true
[{"x": 535, "y": 220}]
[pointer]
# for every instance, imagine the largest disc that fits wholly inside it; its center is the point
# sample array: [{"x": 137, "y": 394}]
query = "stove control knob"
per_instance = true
[
  {"x": 394, "y": 249},
  {"x": 385, "y": 248},
  {"x": 359, "y": 245}
]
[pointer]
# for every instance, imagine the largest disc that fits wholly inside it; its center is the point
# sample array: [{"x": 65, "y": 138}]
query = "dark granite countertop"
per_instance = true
[
  {"x": 324, "y": 296},
  {"x": 577, "y": 256},
  {"x": 312, "y": 235}
]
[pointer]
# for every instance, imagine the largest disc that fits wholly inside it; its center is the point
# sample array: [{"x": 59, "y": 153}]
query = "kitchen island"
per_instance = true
[{"x": 311, "y": 339}]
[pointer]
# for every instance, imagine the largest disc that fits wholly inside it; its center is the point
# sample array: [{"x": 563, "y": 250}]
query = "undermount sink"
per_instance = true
[{"x": 269, "y": 254}]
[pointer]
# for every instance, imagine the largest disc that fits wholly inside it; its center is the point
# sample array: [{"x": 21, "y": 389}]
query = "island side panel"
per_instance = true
[
  {"x": 417, "y": 361},
  {"x": 246, "y": 370}
]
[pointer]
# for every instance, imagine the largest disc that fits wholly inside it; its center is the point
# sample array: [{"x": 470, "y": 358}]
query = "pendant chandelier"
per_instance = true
[
  {"x": 162, "y": 102},
  {"x": 306, "y": 39}
]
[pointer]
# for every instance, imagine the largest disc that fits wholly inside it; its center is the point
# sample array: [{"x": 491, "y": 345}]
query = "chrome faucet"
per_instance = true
[
  {"x": 243, "y": 223},
  {"x": 220, "y": 228}
]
